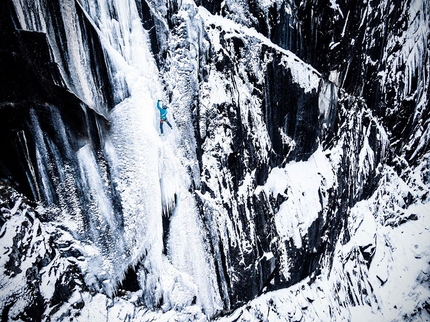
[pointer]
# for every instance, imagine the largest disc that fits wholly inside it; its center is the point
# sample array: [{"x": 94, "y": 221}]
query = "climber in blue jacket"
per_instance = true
[{"x": 163, "y": 115}]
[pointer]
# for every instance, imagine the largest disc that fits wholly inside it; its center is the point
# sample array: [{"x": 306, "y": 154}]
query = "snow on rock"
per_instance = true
[
  {"x": 38, "y": 259},
  {"x": 380, "y": 274},
  {"x": 302, "y": 73},
  {"x": 303, "y": 185}
]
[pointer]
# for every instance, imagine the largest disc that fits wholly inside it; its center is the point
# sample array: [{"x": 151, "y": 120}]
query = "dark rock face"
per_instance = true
[
  {"x": 288, "y": 107},
  {"x": 36, "y": 102},
  {"x": 361, "y": 42}
]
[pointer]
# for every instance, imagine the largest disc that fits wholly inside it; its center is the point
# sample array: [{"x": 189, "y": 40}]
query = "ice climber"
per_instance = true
[{"x": 163, "y": 115}]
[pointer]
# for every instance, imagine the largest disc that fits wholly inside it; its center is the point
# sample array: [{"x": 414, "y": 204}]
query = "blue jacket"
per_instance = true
[{"x": 163, "y": 111}]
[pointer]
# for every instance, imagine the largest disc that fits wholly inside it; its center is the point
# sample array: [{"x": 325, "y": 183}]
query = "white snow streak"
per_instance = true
[{"x": 303, "y": 74}]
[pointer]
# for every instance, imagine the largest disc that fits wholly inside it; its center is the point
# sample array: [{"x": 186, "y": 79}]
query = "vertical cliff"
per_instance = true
[{"x": 297, "y": 169}]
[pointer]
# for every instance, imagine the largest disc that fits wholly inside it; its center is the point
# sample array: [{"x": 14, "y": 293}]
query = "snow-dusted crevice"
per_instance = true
[
  {"x": 188, "y": 243},
  {"x": 380, "y": 273},
  {"x": 404, "y": 81}
]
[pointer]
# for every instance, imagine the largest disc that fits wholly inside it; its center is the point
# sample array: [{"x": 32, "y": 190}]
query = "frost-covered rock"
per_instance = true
[{"x": 380, "y": 274}]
